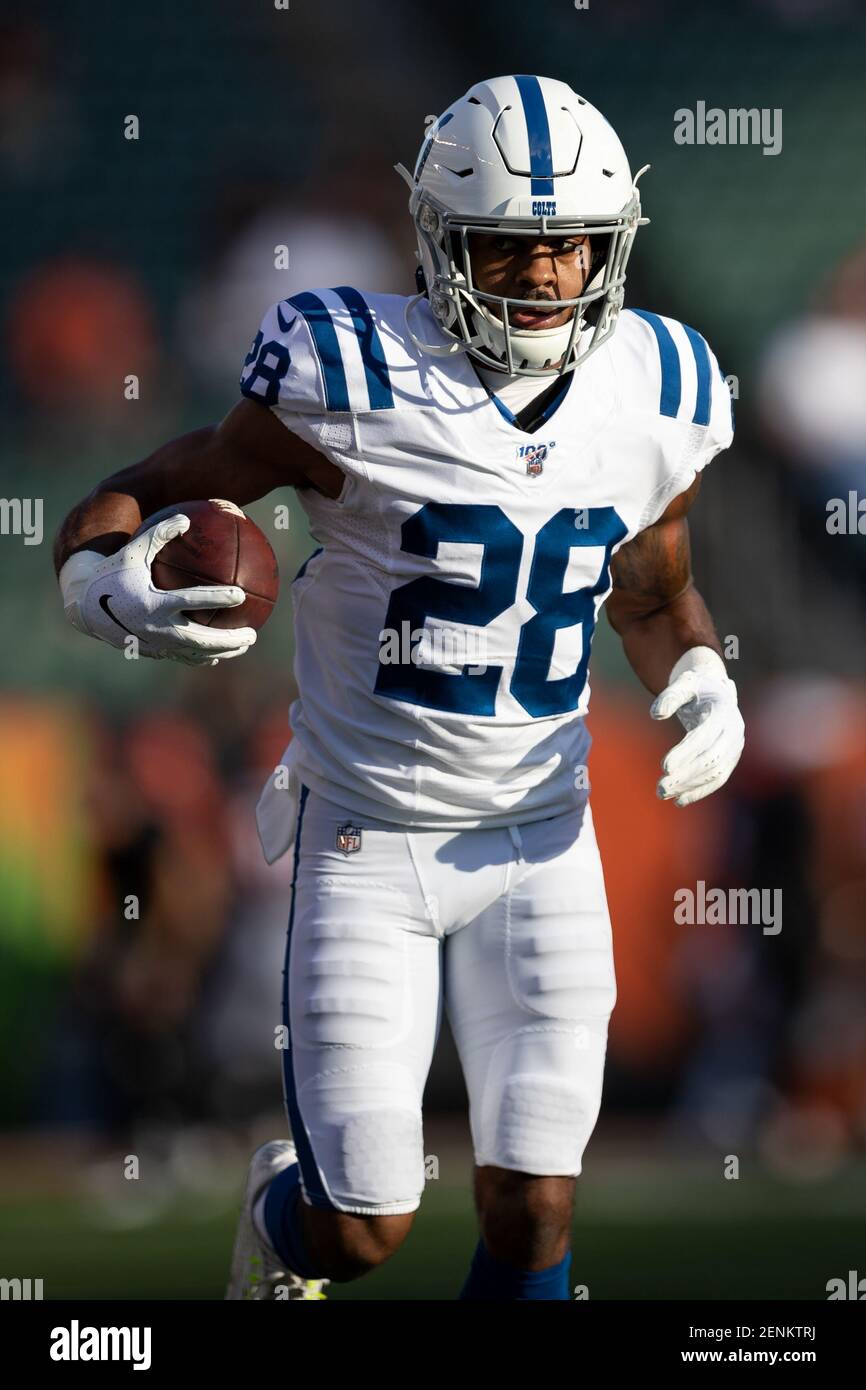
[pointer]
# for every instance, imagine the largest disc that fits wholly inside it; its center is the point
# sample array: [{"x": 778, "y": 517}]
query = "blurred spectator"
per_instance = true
[
  {"x": 220, "y": 315},
  {"x": 76, "y": 330},
  {"x": 813, "y": 381},
  {"x": 39, "y": 127},
  {"x": 779, "y": 1019},
  {"x": 126, "y": 1050}
]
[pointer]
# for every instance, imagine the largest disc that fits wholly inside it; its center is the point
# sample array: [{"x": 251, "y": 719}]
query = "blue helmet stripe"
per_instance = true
[
  {"x": 538, "y": 131},
  {"x": 325, "y": 339},
  {"x": 672, "y": 389},
  {"x": 372, "y": 352},
  {"x": 702, "y": 361}
]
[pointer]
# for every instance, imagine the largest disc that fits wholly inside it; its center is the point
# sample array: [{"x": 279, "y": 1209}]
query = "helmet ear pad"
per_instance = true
[{"x": 598, "y": 260}]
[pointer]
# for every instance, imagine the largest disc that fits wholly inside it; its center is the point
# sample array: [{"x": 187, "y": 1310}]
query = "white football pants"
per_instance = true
[{"x": 509, "y": 928}]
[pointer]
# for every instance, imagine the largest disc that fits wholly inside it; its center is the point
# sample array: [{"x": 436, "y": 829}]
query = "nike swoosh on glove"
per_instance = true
[
  {"x": 704, "y": 698},
  {"x": 111, "y": 597}
]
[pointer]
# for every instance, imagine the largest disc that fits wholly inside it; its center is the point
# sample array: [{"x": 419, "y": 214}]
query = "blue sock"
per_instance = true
[
  {"x": 492, "y": 1280},
  {"x": 282, "y": 1221}
]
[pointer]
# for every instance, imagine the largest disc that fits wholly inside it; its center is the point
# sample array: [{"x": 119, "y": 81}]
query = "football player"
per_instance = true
[{"x": 484, "y": 464}]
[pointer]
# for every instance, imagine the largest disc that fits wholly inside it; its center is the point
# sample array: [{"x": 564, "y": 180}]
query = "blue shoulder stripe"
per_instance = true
[
  {"x": 724, "y": 381},
  {"x": 702, "y": 361},
  {"x": 372, "y": 352},
  {"x": 672, "y": 386},
  {"x": 325, "y": 338},
  {"x": 538, "y": 131}
]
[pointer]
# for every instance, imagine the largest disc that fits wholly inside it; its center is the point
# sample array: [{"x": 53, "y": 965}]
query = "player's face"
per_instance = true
[{"x": 517, "y": 267}]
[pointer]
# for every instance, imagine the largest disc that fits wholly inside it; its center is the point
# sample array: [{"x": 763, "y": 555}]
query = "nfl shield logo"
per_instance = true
[
  {"x": 348, "y": 838},
  {"x": 533, "y": 456}
]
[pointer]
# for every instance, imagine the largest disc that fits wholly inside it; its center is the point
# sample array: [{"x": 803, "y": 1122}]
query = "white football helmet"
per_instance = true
[{"x": 521, "y": 156}]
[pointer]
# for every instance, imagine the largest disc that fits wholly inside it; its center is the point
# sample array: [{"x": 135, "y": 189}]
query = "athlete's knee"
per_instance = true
[
  {"x": 344, "y": 1246},
  {"x": 541, "y": 1098},
  {"x": 365, "y": 1134}
]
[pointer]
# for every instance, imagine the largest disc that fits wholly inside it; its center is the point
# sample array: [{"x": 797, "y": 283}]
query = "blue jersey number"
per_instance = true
[
  {"x": 271, "y": 364},
  {"x": 475, "y": 693}
]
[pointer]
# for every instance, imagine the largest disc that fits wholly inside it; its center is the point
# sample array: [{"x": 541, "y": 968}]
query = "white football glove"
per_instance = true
[
  {"x": 113, "y": 596},
  {"x": 703, "y": 696}
]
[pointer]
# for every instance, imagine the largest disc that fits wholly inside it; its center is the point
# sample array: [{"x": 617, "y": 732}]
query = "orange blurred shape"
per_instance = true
[
  {"x": 268, "y": 741},
  {"x": 172, "y": 764},
  {"x": 649, "y": 849},
  {"x": 76, "y": 329}
]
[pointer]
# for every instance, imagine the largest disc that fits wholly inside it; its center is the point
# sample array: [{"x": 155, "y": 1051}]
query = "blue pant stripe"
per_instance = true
[
  {"x": 325, "y": 338},
  {"x": 372, "y": 352},
  {"x": 312, "y": 1180},
  {"x": 672, "y": 387}
]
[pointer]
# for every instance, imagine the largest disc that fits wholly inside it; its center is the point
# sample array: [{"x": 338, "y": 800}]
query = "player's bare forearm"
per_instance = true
[
  {"x": 243, "y": 458},
  {"x": 654, "y": 606},
  {"x": 116, "y": 507},
  {"x": 655, "y": 642}
]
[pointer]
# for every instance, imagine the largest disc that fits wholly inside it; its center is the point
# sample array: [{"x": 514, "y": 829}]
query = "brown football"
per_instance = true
[{"x": 222, "y": 546}]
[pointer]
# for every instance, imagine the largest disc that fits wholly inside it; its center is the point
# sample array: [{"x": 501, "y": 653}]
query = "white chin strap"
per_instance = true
[{"x": 534, "y": 347}]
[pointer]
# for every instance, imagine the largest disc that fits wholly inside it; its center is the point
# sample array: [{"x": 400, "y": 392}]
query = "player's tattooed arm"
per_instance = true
[
  {"x": 654, "y": 605},
  {"x": 241, "y": 459}
]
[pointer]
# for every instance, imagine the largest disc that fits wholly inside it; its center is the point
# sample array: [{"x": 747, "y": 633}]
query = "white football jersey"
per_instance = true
[{"x": 443, "y": 628}]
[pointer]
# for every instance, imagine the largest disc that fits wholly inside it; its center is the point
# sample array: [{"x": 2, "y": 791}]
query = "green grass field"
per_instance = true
[{"x": 651, "y": 1227}]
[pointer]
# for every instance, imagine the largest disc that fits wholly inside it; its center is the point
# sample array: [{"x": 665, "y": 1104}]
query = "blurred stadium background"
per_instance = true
[{"x": 154, "y": 256}]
